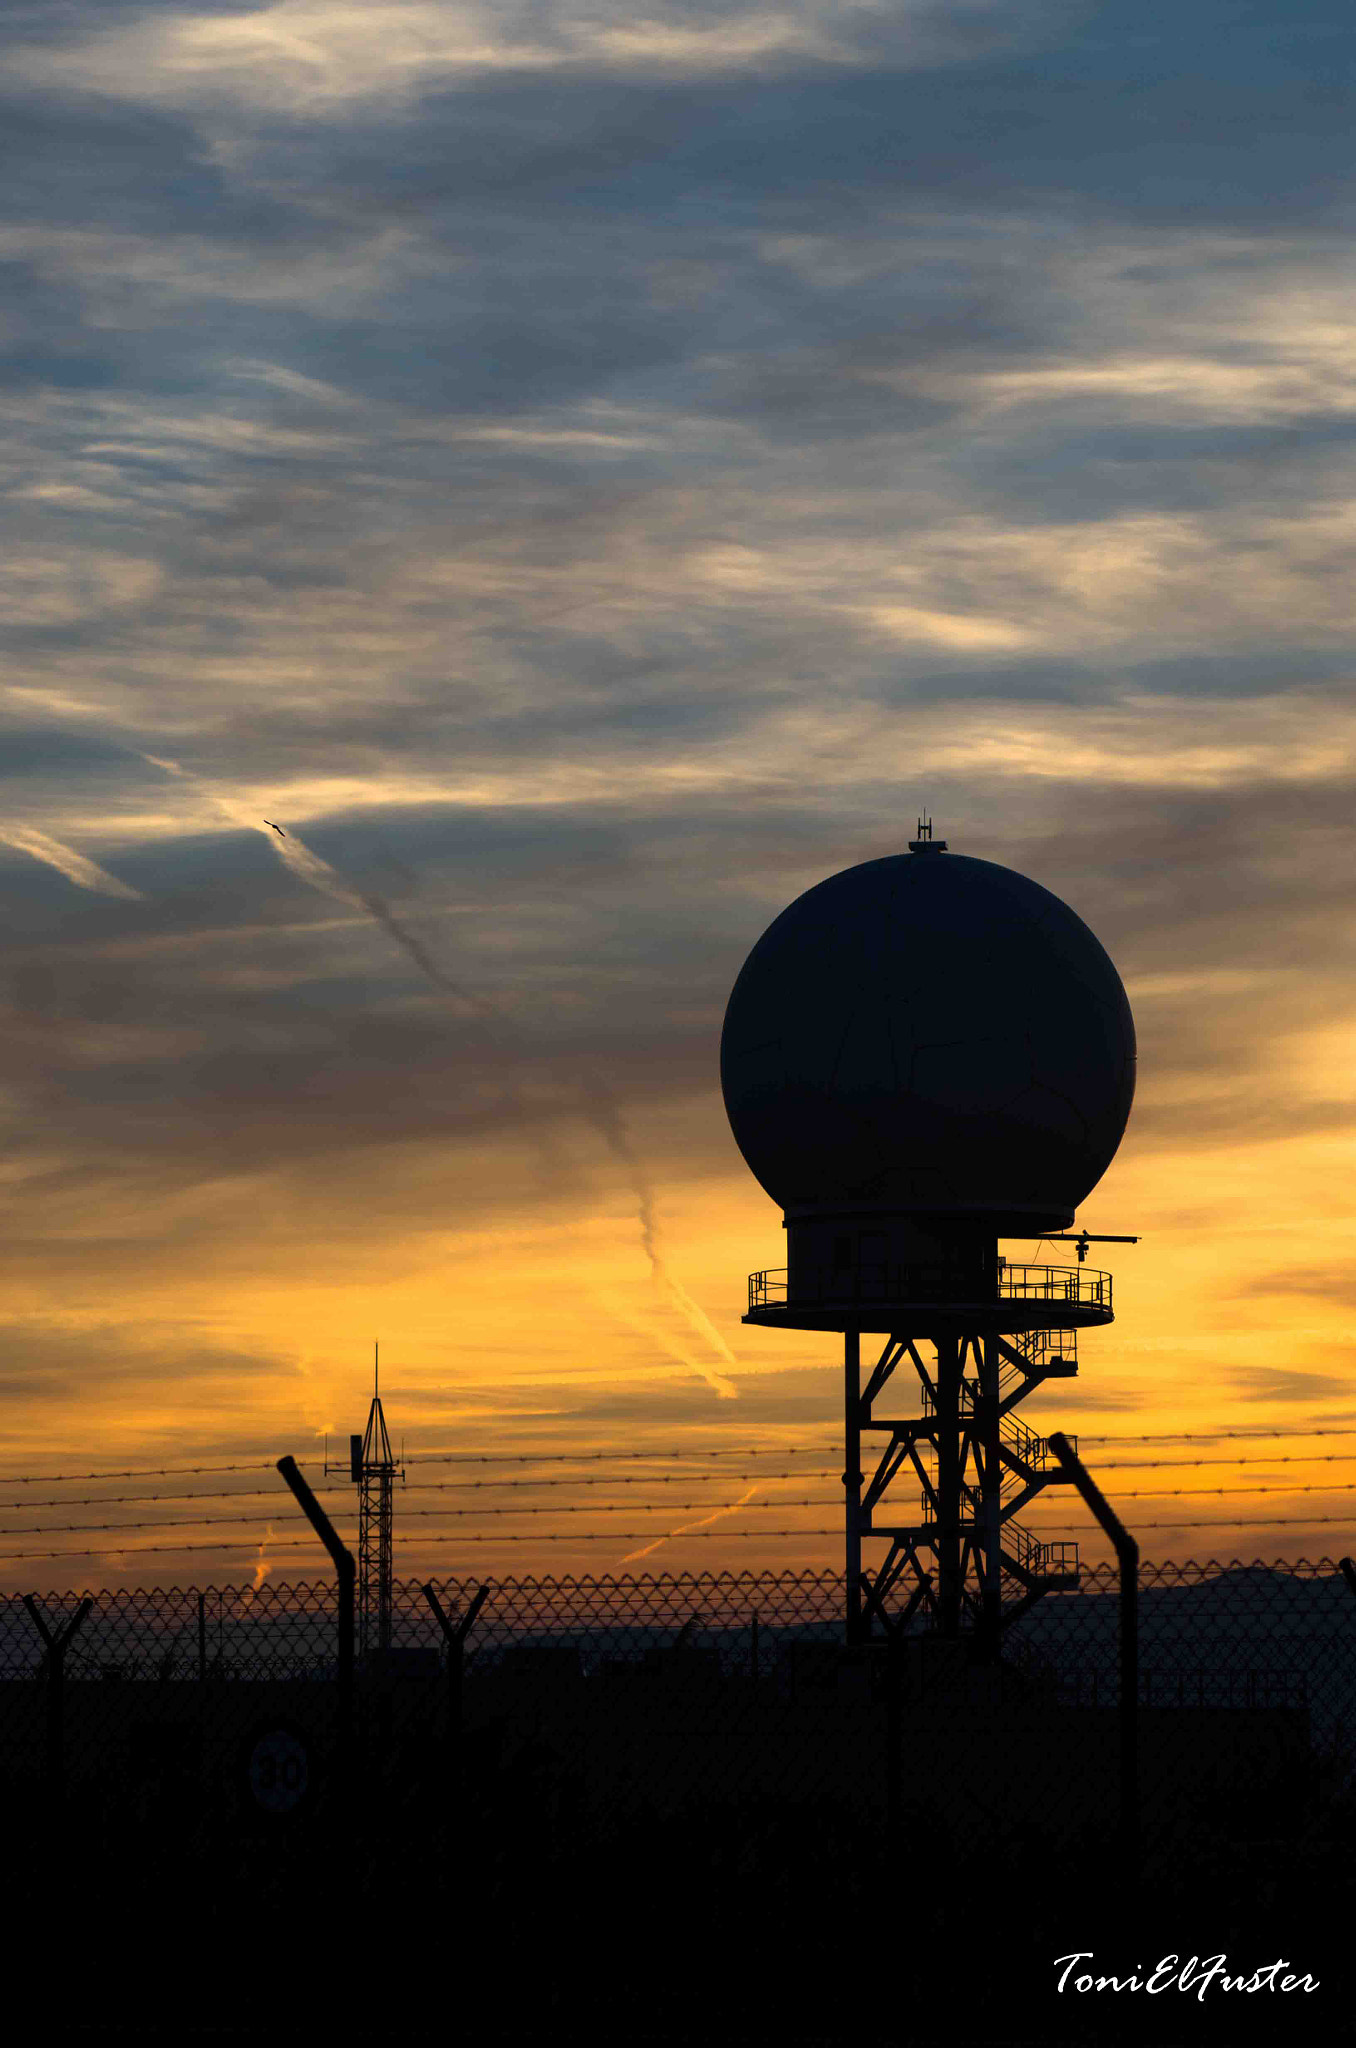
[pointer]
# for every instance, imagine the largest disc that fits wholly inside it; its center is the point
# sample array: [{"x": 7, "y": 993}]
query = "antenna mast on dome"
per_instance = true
[{"x": 925, "y": 843}]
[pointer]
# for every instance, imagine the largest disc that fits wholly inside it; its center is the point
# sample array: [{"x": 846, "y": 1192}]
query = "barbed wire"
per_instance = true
[
  {"x": 601, "y": 1507},
  {"x": 139, "y": 1472},
  {"x": 1214, "y": 1492},
  {"x": 570, "y": 1508},
  {"x": 1235, "y": 1522},
  {"x": 416, "y": 1486},
  {"x": 597, "y": 1457},
  {"x": 417, "y": 1514},
  {"x": 429, "y": 1458},
  {"x": 582, "y": 1536},
  {"x": 655, "y": 1456},
  {"x": 300, "y": 1541},
  {"x": 1194, "y": 1464},
  {"x": 637, "y": 1479},
  {"x": 1212, "y": 1436}
]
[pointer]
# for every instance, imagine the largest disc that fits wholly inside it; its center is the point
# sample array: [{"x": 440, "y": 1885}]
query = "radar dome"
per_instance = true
[{"x": 930, "y": 1037}]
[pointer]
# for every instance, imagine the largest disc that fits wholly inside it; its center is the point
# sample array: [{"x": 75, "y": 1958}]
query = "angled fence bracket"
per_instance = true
[
  {"x": 56, "y": 1642},
  {"x": 454, "y": 1635},
  {"x": 346, "y": 1572}
]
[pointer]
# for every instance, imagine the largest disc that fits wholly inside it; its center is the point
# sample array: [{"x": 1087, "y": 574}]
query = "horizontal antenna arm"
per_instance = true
[{"x": 1084, "y": 1237}]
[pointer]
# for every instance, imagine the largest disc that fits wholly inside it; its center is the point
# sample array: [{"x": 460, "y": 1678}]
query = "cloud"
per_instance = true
[
  {"x": 588, "y": 478},
  {"x": 314, "y": 59},
  {"x": 1330, "y": 1284},
  {"x": 76, "y": 867},
  {"x": 1260, "y": 1383}
]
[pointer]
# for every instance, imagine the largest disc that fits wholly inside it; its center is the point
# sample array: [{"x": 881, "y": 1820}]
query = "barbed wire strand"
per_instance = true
[
  {"x": 647, "y": 1536},
  {"x": 629, "y": 1479},
  {"x": 595, "y": 1457},
  {"x": 604, "y": 1507},
  {"x": 417, "y": 1486},
  {"x": 432, "y": 1458},
  {"x": 1213, "y": 1436},
  {"x": 583, "y": 1536}
]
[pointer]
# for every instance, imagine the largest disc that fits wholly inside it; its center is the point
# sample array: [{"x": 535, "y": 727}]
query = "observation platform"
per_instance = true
[{"x": 888, "y": 1299}]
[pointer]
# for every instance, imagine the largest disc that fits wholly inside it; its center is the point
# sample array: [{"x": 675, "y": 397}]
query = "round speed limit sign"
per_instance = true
[{"x": 278, "y": 1771}]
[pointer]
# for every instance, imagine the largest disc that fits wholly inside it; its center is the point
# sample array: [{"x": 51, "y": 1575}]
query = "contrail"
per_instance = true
[
  {"x": 308, "y": 866},
  {"x": 655, "y": 1334},
  {"x": 705, "y": 1522},
  {"x": 598, "y": 1104},
  {"x": 86, "y": 874},
  {"x": 262, "y": 1567}
]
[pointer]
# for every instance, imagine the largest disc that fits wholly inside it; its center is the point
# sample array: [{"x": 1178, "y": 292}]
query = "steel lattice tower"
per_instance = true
[
  {"x": 982, "y": 1344},
  {"x": 375, "y": 1470}
]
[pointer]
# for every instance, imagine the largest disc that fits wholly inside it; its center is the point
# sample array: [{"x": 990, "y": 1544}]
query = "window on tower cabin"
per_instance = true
[{"x": 842, "y": 1253}]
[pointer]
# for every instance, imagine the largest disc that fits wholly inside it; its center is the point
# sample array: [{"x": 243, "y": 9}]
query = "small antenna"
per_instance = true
[
  {"x": 925, "y": 843},
  {"x": 376, "y": 1352}
]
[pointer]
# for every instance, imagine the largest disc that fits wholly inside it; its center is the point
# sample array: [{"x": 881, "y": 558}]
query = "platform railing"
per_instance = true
[
  {"x": 1040, "y": 1346},
  {"x": 1060, "y": 1286},
  {"x": 1042, "y": 1560},
  {"x": 1038, "y": 1560}
]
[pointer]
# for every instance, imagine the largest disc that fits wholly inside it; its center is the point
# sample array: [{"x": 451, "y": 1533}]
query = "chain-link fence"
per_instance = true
[
  {"x": 685, "y": 1746},
  {"x": 652, "y": 1693}
]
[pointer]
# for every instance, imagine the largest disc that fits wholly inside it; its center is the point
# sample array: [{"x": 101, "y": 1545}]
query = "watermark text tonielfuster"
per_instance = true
[{"x": 1197, "y": 1974}]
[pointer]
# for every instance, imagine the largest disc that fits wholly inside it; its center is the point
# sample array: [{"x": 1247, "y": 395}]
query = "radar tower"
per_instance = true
[{"x": 923, "y": 1056}]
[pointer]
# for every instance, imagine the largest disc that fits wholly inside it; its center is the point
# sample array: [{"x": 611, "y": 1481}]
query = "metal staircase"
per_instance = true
[{"x": 1026, "y": 1466}]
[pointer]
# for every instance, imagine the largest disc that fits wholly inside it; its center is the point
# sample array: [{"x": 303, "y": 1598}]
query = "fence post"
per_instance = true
[
  {"x": 346, "y": 1572},
  {"x": 1347, "y": 1567},
  {"x": 753, "y": 1649},
  {"x": 56, "y": 1643},
  {"x": 894, "y": 1732},
  {"x": 1073, "y": 1469},
  {"x": 202, "y": 1637},
  {"x": 454, "y": 1635}
]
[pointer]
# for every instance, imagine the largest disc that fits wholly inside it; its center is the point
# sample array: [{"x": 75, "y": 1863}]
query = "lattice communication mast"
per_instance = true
[
  {"x": 373, "y": 1469},
  {"x": 922, "y": 1056}
]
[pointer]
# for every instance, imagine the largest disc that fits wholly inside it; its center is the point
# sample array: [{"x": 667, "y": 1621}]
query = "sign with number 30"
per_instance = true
[{"x": 278, "y": 1771}]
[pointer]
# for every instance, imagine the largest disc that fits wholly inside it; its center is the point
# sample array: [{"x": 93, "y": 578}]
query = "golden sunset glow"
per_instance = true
[{"x": 581, "y": 535}]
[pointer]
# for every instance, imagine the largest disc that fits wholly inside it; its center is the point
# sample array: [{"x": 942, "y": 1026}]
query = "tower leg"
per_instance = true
[
  {"x": 384, "y": 1563},
  {"x": 949, "y": 1575},
  {"x": 989, "y": 1548},
  {"x": 852, "y": 1479}
]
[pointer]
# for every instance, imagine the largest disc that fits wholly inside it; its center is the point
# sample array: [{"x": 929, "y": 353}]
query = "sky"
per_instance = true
[{"x": 587, "y": 476}]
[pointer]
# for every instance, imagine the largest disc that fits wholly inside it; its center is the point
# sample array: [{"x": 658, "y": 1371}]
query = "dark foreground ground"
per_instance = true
[{"x": 510, "y": 1915}]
